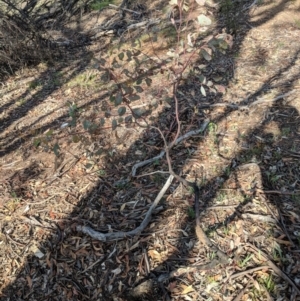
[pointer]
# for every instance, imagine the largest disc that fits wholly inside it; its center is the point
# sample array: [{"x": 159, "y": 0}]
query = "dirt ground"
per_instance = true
[{"x": 245, "y": 163}]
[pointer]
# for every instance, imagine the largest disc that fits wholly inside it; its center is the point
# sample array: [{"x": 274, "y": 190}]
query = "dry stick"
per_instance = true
[
  {"x": 144, "y": 23},
  {"x": 125, "y": 9},
  {"x": 274, "y": 267},
  {"x": 263, "y": 100},
  {"x": 162, "y": 153},
  {"x": 297, "y": 192},
  {"x": 264, "y": 267},
  {"x": 137, "y": 231},
  {"x": 247, "y": 107},
  {"x": 259, "y": 217},
  {"x": 184, "y": 270}
]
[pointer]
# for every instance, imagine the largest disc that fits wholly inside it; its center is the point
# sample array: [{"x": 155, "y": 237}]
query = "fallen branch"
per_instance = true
[
  {"x": 189, "y": 269},
  {"x": 297, "y": 192},
  {"x": 162, "y": 153},
  {"x": 199, "y": 232},
  {"x": 124, "y": 9},
  {"x": 259, "y": 217},
  {"x": 137, "y": 231}
]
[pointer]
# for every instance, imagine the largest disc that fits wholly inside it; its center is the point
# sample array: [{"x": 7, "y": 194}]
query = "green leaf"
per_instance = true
[
  {"x": 129, "y": 55},
  {"x": 116, "y": 65},
  {"x": 134, "y": 97},
  {"x": 136, "y": 43},
  {"x": 73, "y": 122},
  {"x": 121, "y": 111},
  {"x": 86, "y": 124},
  {"x": 148, "y": 81},
  {"x": 99, "y": 152},
  {"x": 139, "y": 81},
  {"x": 206, "y": 53},
  {"x": 112, "y": 98},
  {"x": 88, "y": 165},
  {"x": 223, "y": 44},
  {"x": 128, "y": 90},
  {"x": 114, "y": 124},
  {"x": 107, "y": 114},
  {"x": 120, "y": 120},
  {"x": 102, "y": 121},
  {"x": 121, "y": 56},
  {"x": 37, "y": 142},
  {"x": 105, "y": 77},
  {"x": 136, "y": 52},
  {"x": 119, "y": 99},
  {"x": 137, "y": 61},
  {"x": 202, "y": 79},
  {"x": 128, "y": 119},
  {"x": 127, "y": 73},
  {"x": 56, "y": 149},
  {"x": 203, "y": 20},
  {"x": 49, "y": 133},
  {"x": 138, "y": 89},
  {"x": 138, "y": 112}
]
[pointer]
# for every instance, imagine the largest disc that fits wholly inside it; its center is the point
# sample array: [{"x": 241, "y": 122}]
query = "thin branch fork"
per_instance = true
[{"x": 162, "y": 153}]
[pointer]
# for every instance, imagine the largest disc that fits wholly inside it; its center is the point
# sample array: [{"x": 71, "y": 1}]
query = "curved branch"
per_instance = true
[{"x": 137, "y": 231}]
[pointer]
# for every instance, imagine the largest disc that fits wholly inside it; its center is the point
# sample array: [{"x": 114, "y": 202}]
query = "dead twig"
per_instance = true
[
  {"x": 124, "y": 9},
  {"x": 259, "y": 217},
  {"x": 137, "y": 231},
  {"x": 250, "y": 271},
  {"x": 184, "y": 270},
  {"x": 274, "y": 267},
  {"x": 278, "y": 192},
  {"x": 162, "y": 153}
]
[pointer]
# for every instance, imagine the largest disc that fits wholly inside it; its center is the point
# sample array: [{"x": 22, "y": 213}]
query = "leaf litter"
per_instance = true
[{"x": 245, "y": 163}]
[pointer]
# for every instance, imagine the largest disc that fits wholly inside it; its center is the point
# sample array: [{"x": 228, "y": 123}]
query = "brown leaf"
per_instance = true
[
  {"x": 29, "y": 281},
  {"x": 187, "y": 289},
  {"x": 172, "y": 286}
]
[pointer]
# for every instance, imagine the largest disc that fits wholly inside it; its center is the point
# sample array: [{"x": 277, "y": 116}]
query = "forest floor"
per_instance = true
[{"x": 246, "y": 164}]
